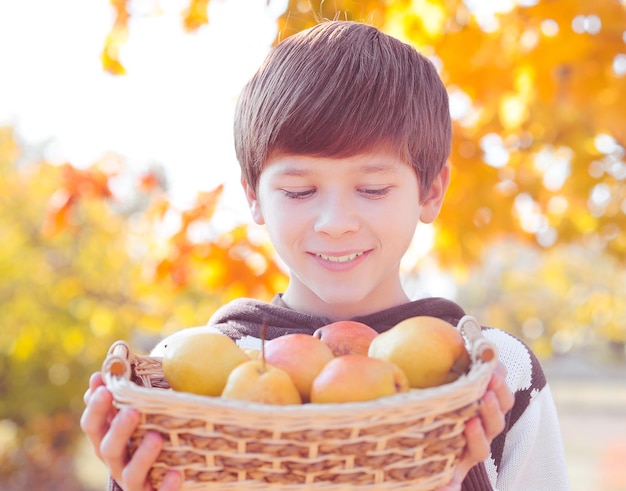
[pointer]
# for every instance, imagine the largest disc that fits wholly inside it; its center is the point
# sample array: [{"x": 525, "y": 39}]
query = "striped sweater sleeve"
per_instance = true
[{"x": 528, "y": 455}]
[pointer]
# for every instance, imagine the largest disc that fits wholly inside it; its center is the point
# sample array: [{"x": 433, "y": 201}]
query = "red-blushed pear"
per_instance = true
[
  {"x": 353, "y": 378},
  {"x": 201, "y": 362},
  {"x": 347, "y": 337},
  {"x": 257, "y": 381},
  {"x": 429, "y": 350},
  {"x": 300, "y": 355}
]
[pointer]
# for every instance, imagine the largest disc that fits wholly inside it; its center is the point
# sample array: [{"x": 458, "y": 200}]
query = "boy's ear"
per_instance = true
[
  {"x": 432, "y": 201},
  {"x": 253, "y": 202}
]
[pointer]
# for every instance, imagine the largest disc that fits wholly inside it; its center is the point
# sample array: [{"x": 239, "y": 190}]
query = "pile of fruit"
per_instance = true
[{"x": 344, "y": 361}]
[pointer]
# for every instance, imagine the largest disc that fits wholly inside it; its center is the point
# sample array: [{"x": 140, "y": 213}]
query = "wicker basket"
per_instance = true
[{"x": 406, "y": 441}]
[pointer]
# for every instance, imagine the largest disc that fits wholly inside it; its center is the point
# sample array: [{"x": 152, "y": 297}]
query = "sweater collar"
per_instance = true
[{"x": 245, "y": 316}]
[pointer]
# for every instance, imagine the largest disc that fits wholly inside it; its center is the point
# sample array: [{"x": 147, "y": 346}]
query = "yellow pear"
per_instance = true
[
  {"x": 201, "y": 362},
  {"x": 429, "y": 350},
  {"x": 258, "y": 381}
]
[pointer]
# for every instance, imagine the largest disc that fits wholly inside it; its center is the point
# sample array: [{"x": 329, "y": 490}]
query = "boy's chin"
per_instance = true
[{"x": 345, "y": 305}]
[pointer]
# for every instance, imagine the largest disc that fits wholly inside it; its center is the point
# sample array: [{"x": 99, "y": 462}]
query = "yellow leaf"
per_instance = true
[
  {"x": 196, "y": 15},
  {"x": 101, "y": 322},
  {"x": 512, "y": 111},
  {"x": 110, "y": 57},
  {"x": 74, "y": 341}
]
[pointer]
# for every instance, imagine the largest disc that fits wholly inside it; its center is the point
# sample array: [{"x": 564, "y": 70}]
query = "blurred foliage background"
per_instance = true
[{"x": 532, "y": 236}]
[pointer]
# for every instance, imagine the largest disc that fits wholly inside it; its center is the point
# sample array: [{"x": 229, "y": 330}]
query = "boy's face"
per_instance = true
[{"x": 341, "y": 226}]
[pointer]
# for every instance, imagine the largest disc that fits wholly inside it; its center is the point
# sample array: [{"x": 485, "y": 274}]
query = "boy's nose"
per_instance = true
[{"x": 336, "y": 217}]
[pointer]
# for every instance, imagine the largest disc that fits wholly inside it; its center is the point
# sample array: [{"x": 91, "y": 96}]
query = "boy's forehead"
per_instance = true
[{"x": 302, "y": 165}]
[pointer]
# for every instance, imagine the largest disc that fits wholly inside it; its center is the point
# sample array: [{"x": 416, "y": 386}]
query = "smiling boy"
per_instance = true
[
  {"x": 342, "y": 237},
  {"x": 343, "y": 136}
]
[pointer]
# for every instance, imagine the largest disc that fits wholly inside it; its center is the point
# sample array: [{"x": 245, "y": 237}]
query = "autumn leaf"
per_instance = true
[
  {"x": 57, "y": 216},
  {"x": 196, "y": 15},
  {"x": 148, "y": 182},
  {"x": 116, "y": 38}
]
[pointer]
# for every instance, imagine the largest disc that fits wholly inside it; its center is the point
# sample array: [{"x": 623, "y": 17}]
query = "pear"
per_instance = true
[
  {"x": 302, "y": 356},
  {"x": 346, "y": 337},
  {"x": 201, "y": 362},
  {"x": 354, "y": 378},
  {"x": 429, "y": 350},
  {"x": 258, "y": 381}
]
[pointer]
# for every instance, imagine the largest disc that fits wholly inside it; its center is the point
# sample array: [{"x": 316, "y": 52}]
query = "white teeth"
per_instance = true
[{"x": 340, "y": 259}]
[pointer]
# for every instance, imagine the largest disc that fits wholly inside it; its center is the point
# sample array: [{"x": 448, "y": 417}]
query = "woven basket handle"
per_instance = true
[
  {"x": 116, "y": 363},
  {"x": 483, "y": 350}
]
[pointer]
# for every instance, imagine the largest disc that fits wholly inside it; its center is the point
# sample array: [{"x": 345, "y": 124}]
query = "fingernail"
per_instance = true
[
  {"x": 172, "y": 480},
  {"x": 153, "y": 437}
]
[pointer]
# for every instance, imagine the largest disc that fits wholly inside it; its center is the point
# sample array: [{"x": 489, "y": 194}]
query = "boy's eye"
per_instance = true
[
  {"x": 298, "y": 194},
  {"x": 375, "y": 192}
]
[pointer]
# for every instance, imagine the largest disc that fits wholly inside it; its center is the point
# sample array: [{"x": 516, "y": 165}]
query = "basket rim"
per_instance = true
[
  {"x": 116, "y": 383},
  {"x": 117, "y": 370}
]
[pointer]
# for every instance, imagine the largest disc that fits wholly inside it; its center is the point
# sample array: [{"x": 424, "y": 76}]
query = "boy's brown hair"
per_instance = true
[{"x": 339, "y": 89}]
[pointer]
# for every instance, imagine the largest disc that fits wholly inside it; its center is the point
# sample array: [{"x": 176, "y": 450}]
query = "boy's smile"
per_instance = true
[
  {"x": 340, "y": 259},
  {"x": 340, "y": 262},
  {"x": 341, "y": 226}
]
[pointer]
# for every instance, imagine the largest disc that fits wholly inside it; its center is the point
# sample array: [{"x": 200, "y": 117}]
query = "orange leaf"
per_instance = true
[
  {"x": 163, "y": 269},
  {"x": 208, "y": 200},
  {"x": 158, "y": 207},
  {"x": 196, "y": 15},
  {"x": 149, "y": 182},
  {"x": 121, "y": 13},
  {"x": 58, "y": 213}
]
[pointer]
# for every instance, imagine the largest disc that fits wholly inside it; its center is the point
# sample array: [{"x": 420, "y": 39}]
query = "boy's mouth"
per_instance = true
[{"x": 340, "y": 259}]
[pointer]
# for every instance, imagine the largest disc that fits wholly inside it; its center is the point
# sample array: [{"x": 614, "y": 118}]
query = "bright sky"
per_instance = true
[{"x": 173, "y": 107}]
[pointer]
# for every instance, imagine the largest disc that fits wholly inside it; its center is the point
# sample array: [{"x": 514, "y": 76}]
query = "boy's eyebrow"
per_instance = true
[
  {"x": 294, "y": 171},
  {"x": 382, "y": 168},
  {"x": 367, "y": 168}
]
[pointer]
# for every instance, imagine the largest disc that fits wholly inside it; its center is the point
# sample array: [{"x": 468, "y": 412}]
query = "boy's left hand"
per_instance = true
[{"x": 482, "y": 429}]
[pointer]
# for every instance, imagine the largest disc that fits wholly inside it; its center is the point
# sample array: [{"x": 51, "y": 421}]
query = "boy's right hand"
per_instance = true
[{"x": 110, "y": 430}]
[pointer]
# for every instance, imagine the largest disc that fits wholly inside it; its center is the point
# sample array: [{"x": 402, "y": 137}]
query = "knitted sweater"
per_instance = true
[{"x": 527, "y": 456}]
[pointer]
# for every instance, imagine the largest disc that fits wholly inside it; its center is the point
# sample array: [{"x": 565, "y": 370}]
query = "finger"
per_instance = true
[
  {"x": 476, "y": 450},
  {"x": 498, "y": 378},
  {"x": 491, "y": 415},
  {"x": 172, "y": 481},
  {"x": 478, "y": 444},
  {"x": 135, "y": 473},
  {"x": 498, "y": 385},
  {"x": 501, "y": 370},
  {"x": 452, "y": 486},
  {"x": 95, "y": 381},
  {"x": 95, "y": 418},
  {"x": 113, "y": 447}
]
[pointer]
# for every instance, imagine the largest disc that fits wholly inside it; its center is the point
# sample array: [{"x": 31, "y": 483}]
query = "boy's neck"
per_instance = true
[{"x": 313, "y": 305}]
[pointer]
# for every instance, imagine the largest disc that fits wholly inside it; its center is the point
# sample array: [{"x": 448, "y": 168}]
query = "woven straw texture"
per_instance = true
[{"x": 406, "y": 441}]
